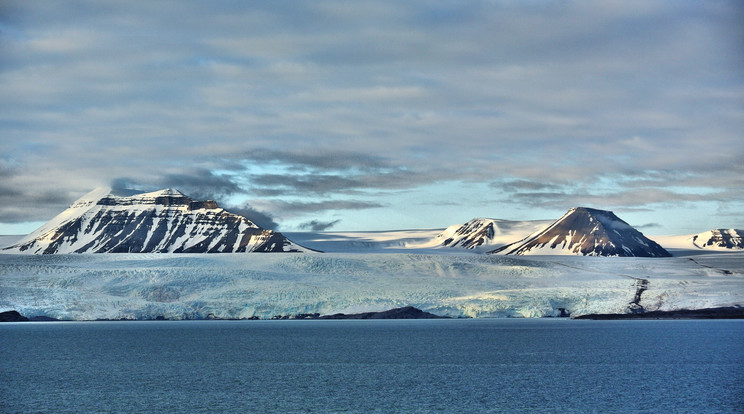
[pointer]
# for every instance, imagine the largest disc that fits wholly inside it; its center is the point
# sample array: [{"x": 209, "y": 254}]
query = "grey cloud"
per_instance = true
[
  {"x": 199, "y": 184},
  {"x": 334, "y": 172},
  {"x": 372, "y": 96},
  {"x": 303, "y": 207},
  {"x": 648, "y": 226},
  {"x": 519, "y": 185},
  {"x": 276, "y": 184},
  {"x": 317, "y": 225},
  {"x": 23, "y": 205},
  {"x": 620, "y": 198},
  {"x": 203, "y": 184},
  {"x": 317, "y": 160},
  {"x": 321, "y": 185},
  {"x": 7, "y": 171},
  {"x": 123, "y": 187},
  {"x": 260, "y": 218}
]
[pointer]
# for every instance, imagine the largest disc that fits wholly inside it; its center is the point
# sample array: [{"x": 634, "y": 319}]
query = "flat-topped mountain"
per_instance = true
[
  {"x": 165, "y": 221},
  {"x": 588, "y": 232}
]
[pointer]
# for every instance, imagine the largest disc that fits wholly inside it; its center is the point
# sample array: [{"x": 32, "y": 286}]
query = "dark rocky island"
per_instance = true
[
  {"x": 407, "y": 312},
  {"x": 12, "y": 316}
]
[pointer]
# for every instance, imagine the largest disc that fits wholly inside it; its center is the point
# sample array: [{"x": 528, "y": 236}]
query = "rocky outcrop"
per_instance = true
[
  {"x": 12, "y": 316},
  {"x": 635, "y": 306},
  {"x": 729, "y": 312},
  {"x": 407, "y": 312}
]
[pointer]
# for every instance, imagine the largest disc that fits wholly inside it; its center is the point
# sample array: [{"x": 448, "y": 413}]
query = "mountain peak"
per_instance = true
[
  {"x": 166, "y": 192},
  {"x": 719, "y": 239},
  {"x": 156, "y": 222},
  {"x": 483, "y": 234},
  {"x": 589, "y": 232}
]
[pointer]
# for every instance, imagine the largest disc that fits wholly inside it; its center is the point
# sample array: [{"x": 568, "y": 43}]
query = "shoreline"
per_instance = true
[
  {"x": 727, "y": 312},
  {"x": 410, "y": 312}
]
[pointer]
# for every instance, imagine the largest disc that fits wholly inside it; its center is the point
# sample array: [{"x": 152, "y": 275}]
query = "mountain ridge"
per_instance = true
[
  {"x": 483, "y": 233},
  {"x": 168, "y": 221},
  {"x": 719, "y": 239}
]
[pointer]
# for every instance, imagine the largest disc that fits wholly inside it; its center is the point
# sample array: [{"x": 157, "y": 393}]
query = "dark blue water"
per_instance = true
[{"x": 463, "y": 366}]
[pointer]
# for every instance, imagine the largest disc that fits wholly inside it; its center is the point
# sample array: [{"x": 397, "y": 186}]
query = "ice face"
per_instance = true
[{"x": 178, "y": 286}]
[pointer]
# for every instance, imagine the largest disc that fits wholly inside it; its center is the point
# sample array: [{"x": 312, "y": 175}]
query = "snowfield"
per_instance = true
[{"x": 445, "y": 281}]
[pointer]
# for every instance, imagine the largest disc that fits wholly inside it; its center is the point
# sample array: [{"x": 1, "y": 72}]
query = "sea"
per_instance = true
[{"x": 373, "y": 366}]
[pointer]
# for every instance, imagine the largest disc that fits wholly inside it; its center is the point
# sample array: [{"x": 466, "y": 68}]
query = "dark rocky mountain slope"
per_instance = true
[
  {"x": 588, "y": 232},
  {"x": 719, "y": 239},
  {"x": 164, "y": 221}
]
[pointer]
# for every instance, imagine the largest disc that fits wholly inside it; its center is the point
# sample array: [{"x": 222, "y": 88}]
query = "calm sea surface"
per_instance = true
[{"x": 458, "y": 366}]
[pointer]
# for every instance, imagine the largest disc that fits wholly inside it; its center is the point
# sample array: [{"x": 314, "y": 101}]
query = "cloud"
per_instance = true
[
  {"x": 199, "y": 184},
  {"x": 280, "y": 173},
  {"x": 278, "y": 184},
  {"x": 260, "y": 218},
  {"x": 648, "y": 226},
  {"x": 317, "y": 225},
  {"x": 325, "y": 184},
  {"x": 202, "y": 184},
  {"x": 619, "y": 198},
  {"x": 21, "y": 205},
  {"x": 519, "y": 185},
  {"x": 316, "y": 160},
  {"x": 294, "y": 208},
  {"x": 319, "y": 100}
]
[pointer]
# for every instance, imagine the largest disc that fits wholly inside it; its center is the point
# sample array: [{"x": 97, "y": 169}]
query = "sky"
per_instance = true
[{"x": 378, "y": 115}]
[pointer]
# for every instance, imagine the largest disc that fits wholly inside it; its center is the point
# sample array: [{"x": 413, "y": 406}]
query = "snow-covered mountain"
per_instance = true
[
  {"x": 477, "y": 235},
  {"x": 483, "y": 234},
  {"x": 588, "y": 232},
  {"x": 156, "y": 222},
  {"x": 723, "y": 240},
  {"x": 719, "y": 239}
]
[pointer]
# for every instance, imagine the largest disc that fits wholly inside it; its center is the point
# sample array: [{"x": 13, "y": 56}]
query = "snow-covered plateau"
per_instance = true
[{"x": 183, "y": 286}]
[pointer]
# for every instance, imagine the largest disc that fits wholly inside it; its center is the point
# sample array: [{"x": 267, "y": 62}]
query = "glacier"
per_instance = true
[{"x": 458, "y": 284}]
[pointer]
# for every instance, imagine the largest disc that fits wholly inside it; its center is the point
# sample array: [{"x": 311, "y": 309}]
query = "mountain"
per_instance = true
[
  {"x": 157, "y": 222},
  {"x": 719, "y": 239},
  {"x": 486, "y": 233},
  {"x": 588, "y": 232},
  {"x": 478, "y": 235}
]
